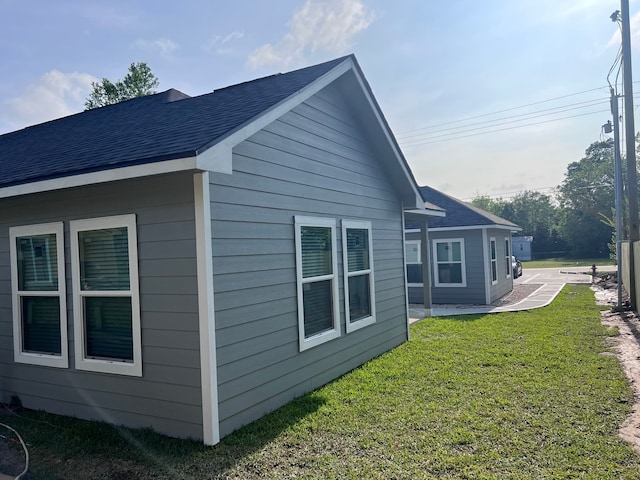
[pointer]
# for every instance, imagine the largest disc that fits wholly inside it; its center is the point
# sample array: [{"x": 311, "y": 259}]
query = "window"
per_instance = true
[
  {"x": 358, "y": 274},
  {"x": 507, "y": 257},
  {"x": 414, "y": 262},
  {"x": 106, "y": 302},
  {"x": 317, "y": 282},
  {"x": 494, "y": 261},
  {"x": 450, "y": 265},
  {"x": 38, "y": 295}
]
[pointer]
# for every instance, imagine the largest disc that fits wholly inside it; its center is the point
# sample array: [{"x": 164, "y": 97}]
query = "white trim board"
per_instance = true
[{"x": 206, "y": 311}]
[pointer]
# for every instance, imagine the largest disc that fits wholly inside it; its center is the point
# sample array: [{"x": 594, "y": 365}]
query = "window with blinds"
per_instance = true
[
  {"x": 38, "y": 284},
  {"x": 106, "y": 297},
  {"x": 316, "y": 266},
  {"x": 358, "y": 273},
  {"x": 449, "y": 263}
]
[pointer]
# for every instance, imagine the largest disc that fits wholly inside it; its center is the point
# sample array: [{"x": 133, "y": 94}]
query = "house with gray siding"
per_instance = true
[
  {"x": 467, "y": 259},
  {"x": 190, "y": 263}
]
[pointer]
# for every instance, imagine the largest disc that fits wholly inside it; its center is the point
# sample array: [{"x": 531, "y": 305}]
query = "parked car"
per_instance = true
[{"x": 516, "y": 266}]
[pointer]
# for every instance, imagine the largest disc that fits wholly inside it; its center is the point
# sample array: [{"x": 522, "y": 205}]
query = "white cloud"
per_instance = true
[
  {"x": 220, "y": 44},
  {"x": 165, "y": 46},
  {"x": 318, "y": 26},
  {"x": 56, "y": 95}
]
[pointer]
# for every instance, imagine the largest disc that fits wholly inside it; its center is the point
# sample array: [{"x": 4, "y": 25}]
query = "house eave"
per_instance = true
[
  {"x": 192, "y": 163},
  {"x": 469, "y": 227}
]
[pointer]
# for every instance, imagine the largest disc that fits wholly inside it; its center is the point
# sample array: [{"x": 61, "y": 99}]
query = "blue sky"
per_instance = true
[{"x": 430, "y": 65}]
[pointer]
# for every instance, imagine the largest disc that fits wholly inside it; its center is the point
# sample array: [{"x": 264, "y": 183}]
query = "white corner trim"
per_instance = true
[
  {"x": 206, "y": 311},
  {"x": 406, "y": 281},
  {"x": 487, "y": 268},
  {"x": 103, "y": 176}
]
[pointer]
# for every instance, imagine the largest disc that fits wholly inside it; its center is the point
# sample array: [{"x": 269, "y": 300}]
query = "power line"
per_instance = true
[
  {"x": 465, "y": 119},
  {"x": 417, "y": 143},
  {"x": 509, "y": 120},
  {"x": 585, "y": 104},
  {"x": 506, "y": 110},
  {"x": 428, "y": 138}
]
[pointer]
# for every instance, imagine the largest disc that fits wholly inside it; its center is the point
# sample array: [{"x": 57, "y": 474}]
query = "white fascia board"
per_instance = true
[
  {"x": 103, "y": 176},
  {"x": 427, "y": 212},
  {"x": 218, "y": 157},
  {"x": 470, "y": 227}
]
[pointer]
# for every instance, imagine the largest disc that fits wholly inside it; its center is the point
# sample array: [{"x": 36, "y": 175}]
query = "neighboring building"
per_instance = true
[
  {"x": 189, "y": 264},
  {"x": 468, "y": 255},
  {"x": 522, "y": 247}
]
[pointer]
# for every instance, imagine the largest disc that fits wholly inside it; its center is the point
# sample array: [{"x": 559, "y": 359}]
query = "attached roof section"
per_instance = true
[
  {"x": 460, "y": 214},
  {"x": 145, "y": 135}
]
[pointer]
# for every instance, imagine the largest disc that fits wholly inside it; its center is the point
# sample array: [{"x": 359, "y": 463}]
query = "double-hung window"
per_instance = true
[
  {"x": 358, "y": 274},
  {"x": 449, "y": 258},
  {"x": 494, "y": 261},
  {"x": 507, "y": 257},
  {"x": 317, "y": 280},
  {"x": 106, "y": 302},
  {"x": 38, "y": 295},
  {"x": 413, "y": 261}
]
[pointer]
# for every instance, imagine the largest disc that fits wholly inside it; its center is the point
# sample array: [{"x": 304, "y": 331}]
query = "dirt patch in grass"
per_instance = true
[{"x": 626, "y": 346}]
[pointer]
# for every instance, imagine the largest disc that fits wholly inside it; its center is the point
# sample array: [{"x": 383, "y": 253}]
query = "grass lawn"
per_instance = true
[
  {"x": 568, "y": 262},
  {"x": 505, "y": 396}
]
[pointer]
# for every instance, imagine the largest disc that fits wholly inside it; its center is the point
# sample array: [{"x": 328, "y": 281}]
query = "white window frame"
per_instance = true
[
  {"x": 419, "y": 262},
  {"x": 507, "y": 256},
  {"x": 362, "y": 322},
  {"x": 463, "y": 264},
  {"x": 494, "y": 260},
  {"x": 335, "y": 332},
  {"x": 119, "y": 367},
  {"x": 20, "y": 356}
]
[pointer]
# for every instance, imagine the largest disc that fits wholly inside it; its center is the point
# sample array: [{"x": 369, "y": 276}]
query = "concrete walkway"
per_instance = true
[{"x": 551, "y": 281}]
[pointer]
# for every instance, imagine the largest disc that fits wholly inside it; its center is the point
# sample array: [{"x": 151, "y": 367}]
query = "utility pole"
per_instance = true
[
  {"x": 618, "y": 182},
  {"x": 632, "y": 173}
]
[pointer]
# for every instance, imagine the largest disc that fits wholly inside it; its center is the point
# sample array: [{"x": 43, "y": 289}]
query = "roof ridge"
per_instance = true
[{"x": 335, "y": 61}]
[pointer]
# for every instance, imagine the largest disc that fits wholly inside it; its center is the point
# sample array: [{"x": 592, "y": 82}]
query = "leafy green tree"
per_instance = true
[
  {"x": 536, "y": 213},
  {"x": 138, "y": 82},
  {"x": 587, "y": 197}
]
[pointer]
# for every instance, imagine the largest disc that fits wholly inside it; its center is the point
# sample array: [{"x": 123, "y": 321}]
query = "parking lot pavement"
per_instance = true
[{"x": 555, "y": 276}]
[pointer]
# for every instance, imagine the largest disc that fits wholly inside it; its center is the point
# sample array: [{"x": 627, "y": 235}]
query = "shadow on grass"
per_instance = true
[{"x": 60, "y": 443}]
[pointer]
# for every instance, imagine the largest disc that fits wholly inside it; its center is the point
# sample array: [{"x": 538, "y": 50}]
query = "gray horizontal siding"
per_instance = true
[
  {"x": 474, "y": 292},
  {"x": 504, "y": 285},
  {"x": 314, "y": 161},
  {"x": 168, "y": 396}
]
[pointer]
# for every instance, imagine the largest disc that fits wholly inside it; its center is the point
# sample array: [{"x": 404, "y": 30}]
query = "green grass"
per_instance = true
[
  {"x": 568, "y": 262},
  {"x": 506, "y": 396}
]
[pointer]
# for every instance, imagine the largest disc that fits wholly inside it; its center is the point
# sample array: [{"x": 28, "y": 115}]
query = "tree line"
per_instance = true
[{"x": 578, "y": 220}]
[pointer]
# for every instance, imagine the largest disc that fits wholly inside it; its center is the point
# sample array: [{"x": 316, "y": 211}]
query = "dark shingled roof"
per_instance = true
[
  {"x": 164, "y": 126},
  {"x": 459, "y": 213}
]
